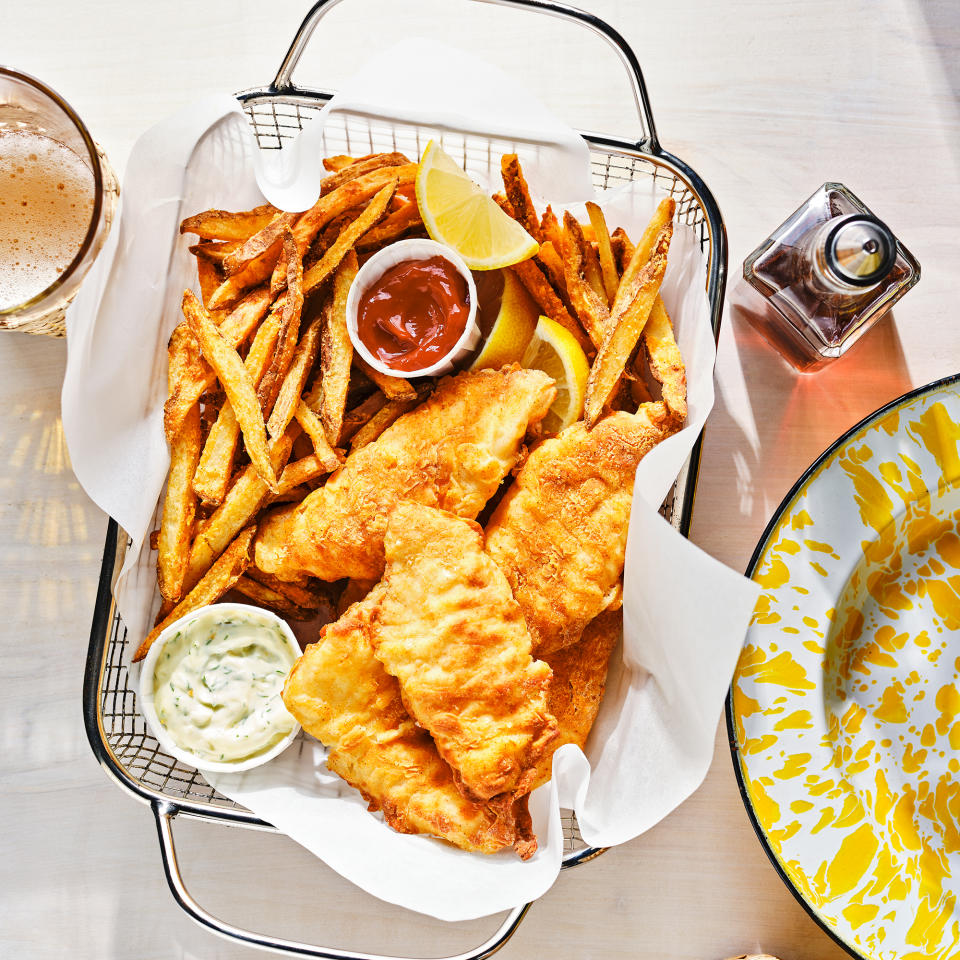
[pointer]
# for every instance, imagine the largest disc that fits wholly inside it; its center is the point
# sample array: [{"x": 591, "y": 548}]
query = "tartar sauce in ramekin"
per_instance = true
[{"x": 217, "y": 683}]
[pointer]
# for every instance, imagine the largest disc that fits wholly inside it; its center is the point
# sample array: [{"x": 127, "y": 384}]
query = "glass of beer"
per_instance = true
[{"x": 53, "y": 206}]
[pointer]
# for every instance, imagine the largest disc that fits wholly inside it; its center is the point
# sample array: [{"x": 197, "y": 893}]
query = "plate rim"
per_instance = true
[{"x": 786, "y": 503}]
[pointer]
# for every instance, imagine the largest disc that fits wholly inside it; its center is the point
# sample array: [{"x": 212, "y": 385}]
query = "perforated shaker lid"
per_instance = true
[{"x": 860, "y": 249}]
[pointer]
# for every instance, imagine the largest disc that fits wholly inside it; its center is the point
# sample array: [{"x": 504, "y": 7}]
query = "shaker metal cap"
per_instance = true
[{"x": 860, "y": 249}]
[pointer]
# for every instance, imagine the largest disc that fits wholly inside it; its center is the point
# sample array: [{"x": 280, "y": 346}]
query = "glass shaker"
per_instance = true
[{"x": 830, "y": 271}]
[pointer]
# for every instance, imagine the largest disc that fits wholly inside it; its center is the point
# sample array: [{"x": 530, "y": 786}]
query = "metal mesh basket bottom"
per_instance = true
[{"x": 274, "y": 120}]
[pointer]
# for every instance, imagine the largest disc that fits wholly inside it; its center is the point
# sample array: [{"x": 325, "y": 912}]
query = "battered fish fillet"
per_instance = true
[
  {"x": 560, "y": 533},
  {"x": 342, "y": 695},
  {"x": 450, "y": 452},
  {"x": 576, "y": 690},
  {"x": 447, "y": 627}
]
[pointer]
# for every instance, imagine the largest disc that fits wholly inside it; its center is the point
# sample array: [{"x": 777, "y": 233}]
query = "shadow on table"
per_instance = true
[
  {"x": 943, "y": 25},
  {"x": 781, "y": 420}
]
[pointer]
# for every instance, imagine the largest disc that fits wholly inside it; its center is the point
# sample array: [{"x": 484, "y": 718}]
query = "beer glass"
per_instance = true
[{"x": 54, "y": 205}]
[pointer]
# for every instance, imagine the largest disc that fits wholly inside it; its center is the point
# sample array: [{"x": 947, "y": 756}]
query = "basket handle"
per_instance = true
[
  {"x": 283, "y": 82},
  {"x": 165, "y": 813}
]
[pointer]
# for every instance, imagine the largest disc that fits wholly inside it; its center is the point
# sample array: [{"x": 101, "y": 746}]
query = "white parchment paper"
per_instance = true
[{"x": 653, "y": 739}]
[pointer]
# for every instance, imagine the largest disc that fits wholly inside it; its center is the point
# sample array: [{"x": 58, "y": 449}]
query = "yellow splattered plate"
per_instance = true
[{"x": 844, "y": 714}]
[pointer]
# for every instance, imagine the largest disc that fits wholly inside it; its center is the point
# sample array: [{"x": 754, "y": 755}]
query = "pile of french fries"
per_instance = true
[
  {"x": 263, "y": 354},
  {"x": 606, "y": 292}
]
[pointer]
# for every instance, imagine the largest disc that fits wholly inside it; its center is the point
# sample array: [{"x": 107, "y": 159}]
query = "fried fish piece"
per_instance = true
[
  {"x": 576, "y": 690},
  {"x": 342, "y": 695},
  {"x": 450, "y": 452},
  {"x": 447, "y": 627},
  {"x": 560, "y": 533}
]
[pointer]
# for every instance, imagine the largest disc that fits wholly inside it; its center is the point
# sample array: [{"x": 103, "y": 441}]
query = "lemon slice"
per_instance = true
[
  {"x": 458, "y": 213},
  {"x": 509, "y": 313},
  {"x": 556, "y": 352}
]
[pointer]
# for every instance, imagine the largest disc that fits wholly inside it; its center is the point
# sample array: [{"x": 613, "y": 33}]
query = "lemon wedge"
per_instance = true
[
  {"x": 509, "y": 313},
  {"x": 458, "y": 213},
  {"x": 556, "y": 352}
]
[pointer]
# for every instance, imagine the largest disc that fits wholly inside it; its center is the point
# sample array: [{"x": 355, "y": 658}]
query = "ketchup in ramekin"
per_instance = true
[
  {"x": 414, "y": 315},
  {"x": 412, "y": 309}
]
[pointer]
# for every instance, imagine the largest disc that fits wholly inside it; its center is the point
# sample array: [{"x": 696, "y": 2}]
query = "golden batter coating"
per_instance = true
[
  {"x": 576, "y": 690},
  {"x": 341, "y": 694},
  {"x": 447, "y": 627},
  {"x": 560, "y": 533},
  {"x": 450, "y": 452}
]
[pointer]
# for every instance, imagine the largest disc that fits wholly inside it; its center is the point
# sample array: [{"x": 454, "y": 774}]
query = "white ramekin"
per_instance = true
[
  {"x": 376, "y": 267},
  {"x": 146, "y": 692}
]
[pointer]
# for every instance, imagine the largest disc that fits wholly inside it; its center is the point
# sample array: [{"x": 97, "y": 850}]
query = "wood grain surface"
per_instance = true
[{"x": 766, "y": 101}]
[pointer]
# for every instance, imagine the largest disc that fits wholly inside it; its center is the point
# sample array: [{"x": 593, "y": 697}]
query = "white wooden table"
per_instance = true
[{"x": 765, "y": 101}]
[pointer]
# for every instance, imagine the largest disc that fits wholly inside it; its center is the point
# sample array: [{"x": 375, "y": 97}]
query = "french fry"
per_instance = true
[
  {"x": 518, "y": 195},
  {"x": 304, "y": 592},
  {"x": 235, "y": 287},
  {"x": 265, "y": 596},
  {"x": 313, "y": 398},
  {"x": 350, "y": 194},
  {"x": 338, "y": 162},
  {"x": 305, "y": 229},
  {"x": 623, "y": 249},
  {"x": 592, "y": 272},
  {"x": 549, "y": 260},
  {"x": 406, "y": 193},
  {"x": 197, "y": 376},
  {"x": 213, "y": 250},
  {"x": 183, "y": 357},
  {"x": 295, "y": 380},
  {"x": 179, "y": 508},
  {"x": 154, "y": 539},
  {"x": 244, "y": 498},
  {"x": 313, "y": 428},
  {"x": 346, "y": 240},
  {"x": 294, "y": 495},
  {"x": 165, "y": 607},
  {"x": 307, "y": 468},
  {"x": 269, "y": 238},
  {"x": 223, "y": 225},
  {"x": 214, "y": 584},
  {"x": 608, "y": 267},
  {"x": 391, "y": 228},
  {"x": 336, "y": 351},
  {"x": 389, "y": 413},
  {"x": 209, "y": 277},
  {"x": 391, "y": 386},
  {"x": 666, "y": 363},
  {"x": 354, "y": 419},
  {"x": 630, "y": 281},
  {"x": 625, "y": 330},
  {"x": 537, "y": 285},
  {"x": 550, "y": 228},
  {"x": 289, "y": 327},
  {"x": 359, "y": 168},
  {"x": 236, "y": 382},
  {"x": 216, "y": 463},
  {"x": 324, "y": 240},
  {"x": 212, "y": 476},
  {"x": 591, "y": 309}
]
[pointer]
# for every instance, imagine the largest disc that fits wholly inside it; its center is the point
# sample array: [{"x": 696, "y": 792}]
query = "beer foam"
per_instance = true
[{"x": 46, "y": 201}]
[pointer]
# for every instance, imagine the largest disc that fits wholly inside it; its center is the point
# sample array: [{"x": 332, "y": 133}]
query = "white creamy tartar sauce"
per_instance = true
[{"x": 217, "y": 685}]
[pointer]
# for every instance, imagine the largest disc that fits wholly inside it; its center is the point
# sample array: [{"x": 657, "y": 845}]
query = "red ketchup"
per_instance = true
[{"x": 412, "y": 317}]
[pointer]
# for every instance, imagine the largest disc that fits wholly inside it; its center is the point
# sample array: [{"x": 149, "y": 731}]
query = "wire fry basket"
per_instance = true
[{"x": 117, "y": 732}]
